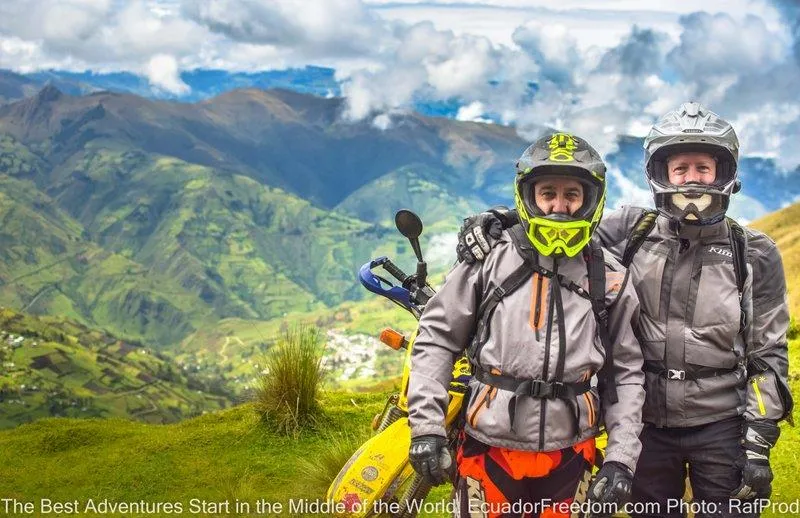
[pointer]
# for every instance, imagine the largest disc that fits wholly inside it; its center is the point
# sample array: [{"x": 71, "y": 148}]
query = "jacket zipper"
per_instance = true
[
  {"x": 538, "y": 313},
  {"x": 546, "y": 366}
]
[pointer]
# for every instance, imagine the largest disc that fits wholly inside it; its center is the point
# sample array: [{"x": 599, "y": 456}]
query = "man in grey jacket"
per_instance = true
[
  {"x": 527, "y": 320},
  {"x": 713, "y": 332}
]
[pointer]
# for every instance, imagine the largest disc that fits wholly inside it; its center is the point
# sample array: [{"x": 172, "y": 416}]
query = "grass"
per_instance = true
[
  {"x": 288, "y": 393},
  {"x": 223, "y": 456},
  {"x": 231, "y": 455},
  {"x": 319, "y": 471},
  {"x": 783, "y": 228}
]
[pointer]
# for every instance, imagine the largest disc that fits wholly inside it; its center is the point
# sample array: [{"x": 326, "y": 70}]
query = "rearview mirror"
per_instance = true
[{"x": 408, "y": 223}]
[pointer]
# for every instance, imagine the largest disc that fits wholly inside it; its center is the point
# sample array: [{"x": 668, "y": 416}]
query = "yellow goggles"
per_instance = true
[{"x": 554, "y": 237}]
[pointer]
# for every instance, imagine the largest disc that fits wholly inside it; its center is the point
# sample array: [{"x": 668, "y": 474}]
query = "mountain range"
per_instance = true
[
  {"x": 154, "y": 219},
  {"x": 203, "y": 84}
]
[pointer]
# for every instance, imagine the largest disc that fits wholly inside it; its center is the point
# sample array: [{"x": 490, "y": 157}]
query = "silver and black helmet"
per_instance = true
[{"x": 692, "y": 129}]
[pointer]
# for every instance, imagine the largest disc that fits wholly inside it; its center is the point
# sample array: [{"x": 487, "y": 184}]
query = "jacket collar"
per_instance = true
[{"x": 691, "y": 232}]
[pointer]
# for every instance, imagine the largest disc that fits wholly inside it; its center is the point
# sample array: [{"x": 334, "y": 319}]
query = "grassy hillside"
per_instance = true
[
  {"x": 225, "y": 456},
  {"x": 783, "y": 227},
  {"x": 222, "y": 457},
  {"x": 54, "y": 367},
  {"x": 49, "y": 266}
]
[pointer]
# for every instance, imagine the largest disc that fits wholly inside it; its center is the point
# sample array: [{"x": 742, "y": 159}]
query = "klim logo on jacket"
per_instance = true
[{"x": 720, "y": 251}]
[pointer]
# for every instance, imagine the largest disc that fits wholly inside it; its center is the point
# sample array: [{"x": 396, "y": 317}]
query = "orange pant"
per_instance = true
[{"x": 499, "y": 482}]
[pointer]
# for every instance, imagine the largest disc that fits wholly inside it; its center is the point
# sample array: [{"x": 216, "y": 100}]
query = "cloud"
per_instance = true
[
  {"x": 790, "y": 11},
  {"x": 98, "y": 35},
  {"x": 712, "y": 47},
  {"x": 423, "y": 62},
  {"x": 553, "y": 48},
  {"x": 247, "y": 21},
  {"x": 598, "y": 69},
  {"x": 640, "y": 54},
  {"x": 313, "y": 28},
  {"x": 474, "y": 112},
  {"x": 56, "y": 23},
  {"x": 629, "y": 192},
  {"x": 162, "y": 72},
  {"x": 382, "y": 122}
]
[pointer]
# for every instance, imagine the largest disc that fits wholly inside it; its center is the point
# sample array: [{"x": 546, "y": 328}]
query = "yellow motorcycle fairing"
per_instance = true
[
  {"x": 372, "y": 469},
  {"x": 380, "y": 463},
  {"x": 378, "y": 469}
]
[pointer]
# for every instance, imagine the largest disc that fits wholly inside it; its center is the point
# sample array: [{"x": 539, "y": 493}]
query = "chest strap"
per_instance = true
[
  {"x": 537, "y": 389},
  {"x": 691, "y": 373}
]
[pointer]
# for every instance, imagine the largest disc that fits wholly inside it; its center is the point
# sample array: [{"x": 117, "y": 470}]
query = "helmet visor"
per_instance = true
[{"x": 681, "y": 157}]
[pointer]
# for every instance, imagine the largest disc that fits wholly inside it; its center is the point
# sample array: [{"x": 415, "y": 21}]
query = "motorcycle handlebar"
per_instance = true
[{"x": 395, "y": 271}]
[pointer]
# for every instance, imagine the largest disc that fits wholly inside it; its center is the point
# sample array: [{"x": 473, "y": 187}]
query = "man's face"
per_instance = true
[
  {"x": 695, "y": 168},
  {"x": 558, "y": 195}
]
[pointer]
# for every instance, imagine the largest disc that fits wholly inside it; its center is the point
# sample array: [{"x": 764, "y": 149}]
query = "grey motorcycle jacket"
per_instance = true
[
  {"x": 528, "y": 335},
  {"x": 708, "y": 354}
]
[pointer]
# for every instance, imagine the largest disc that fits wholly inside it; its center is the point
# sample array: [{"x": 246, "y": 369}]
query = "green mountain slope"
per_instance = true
[
  {"x": 153, "y": 246},
  {"x": 54, "y": 367},
  {"x": 784, "y": 227},
  {"x": 412, "y": 187},
  {"x": 50, "y": 267},
  {"x": 154, "y": 220}
]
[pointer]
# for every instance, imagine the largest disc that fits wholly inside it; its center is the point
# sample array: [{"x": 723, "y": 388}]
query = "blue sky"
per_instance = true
[{"x": 600, "y": 68}]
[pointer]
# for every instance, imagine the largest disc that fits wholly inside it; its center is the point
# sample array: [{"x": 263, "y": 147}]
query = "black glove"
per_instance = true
[
  {"x": 430, "y": 457},
  {"x": 758, "y": 438},
  {"x": 479, "y": 233},
  {"x": 612, "y": 486}
]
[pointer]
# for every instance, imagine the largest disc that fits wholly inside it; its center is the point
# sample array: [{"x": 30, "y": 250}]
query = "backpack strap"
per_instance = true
[
  {"x": 738, "y": 239},
  {"x": 596, "y": 266},
  {"x": 739, "y": 249},
  {"x": 644, "y": 225},
  {"x": 530, "y": 264}
]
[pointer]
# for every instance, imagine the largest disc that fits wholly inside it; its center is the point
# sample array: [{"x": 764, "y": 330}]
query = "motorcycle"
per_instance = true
[{"x": 378, "y": 479}]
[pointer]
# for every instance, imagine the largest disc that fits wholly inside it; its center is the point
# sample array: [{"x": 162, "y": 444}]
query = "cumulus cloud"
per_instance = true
[
  {"x": 640, "y": 54},
  {"x": 474, "y": 112},
  {"x": 315, "y": 28},
  {"x": 790, "y": 12},
  {"x": 99, "y": 35},
  {"x": 574, "y": 66},
  {"x": 382, "y": 121},
  {"x": 431, "y": 64},
  {"x": 54, "y": 22},
  {"x": 162, "y": 72},
  {"x": 553, "y": 48},
  {"x": 713, "y": 47}
]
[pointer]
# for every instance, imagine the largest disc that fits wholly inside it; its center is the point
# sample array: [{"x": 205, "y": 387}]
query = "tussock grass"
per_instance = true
[{"x": 288, "y": 393}]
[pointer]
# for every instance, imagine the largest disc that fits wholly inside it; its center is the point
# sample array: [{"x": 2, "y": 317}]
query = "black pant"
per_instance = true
[{"x": 713, "y": 455}]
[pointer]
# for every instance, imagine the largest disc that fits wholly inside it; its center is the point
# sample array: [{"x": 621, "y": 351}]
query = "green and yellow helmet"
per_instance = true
[{"x": 560, "y": 155}]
